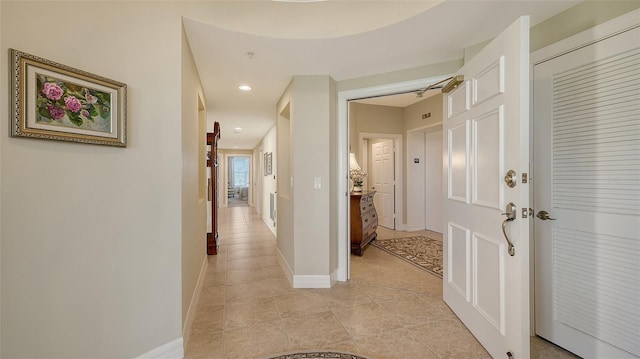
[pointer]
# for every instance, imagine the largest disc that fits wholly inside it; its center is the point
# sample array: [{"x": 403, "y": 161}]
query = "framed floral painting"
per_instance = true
[{"x": 58, "y": 102}]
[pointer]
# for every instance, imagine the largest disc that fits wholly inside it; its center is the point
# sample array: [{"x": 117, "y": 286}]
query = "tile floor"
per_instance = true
[{"x": 389, "y": 309}]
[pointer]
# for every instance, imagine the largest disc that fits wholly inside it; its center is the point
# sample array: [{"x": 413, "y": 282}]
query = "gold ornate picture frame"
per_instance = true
[{"x": 58, "y": 102}]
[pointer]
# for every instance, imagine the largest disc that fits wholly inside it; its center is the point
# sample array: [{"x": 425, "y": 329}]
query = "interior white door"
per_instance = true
[
  {"x": 383, "y": 159},
  {"x": 486, "y": 134},
  {"x": 587, "y": 177}
]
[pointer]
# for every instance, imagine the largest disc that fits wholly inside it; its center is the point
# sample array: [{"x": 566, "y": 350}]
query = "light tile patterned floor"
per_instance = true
[{"x": 389, "y": 309}]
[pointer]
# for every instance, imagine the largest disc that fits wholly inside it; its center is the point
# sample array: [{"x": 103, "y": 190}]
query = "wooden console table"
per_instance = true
[{"x": 364, "y": 220}]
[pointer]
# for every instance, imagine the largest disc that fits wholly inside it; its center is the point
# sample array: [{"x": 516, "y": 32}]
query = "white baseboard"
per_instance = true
[
  {"x": 171, "y": 350},
  {"x": 413, "y": 227},
  {"x": 312, "y": 281},
  {"x": 191, "y": 312},
  {"x": 304, "y": 281},
  {"x": 285, "y": 267},
  {"x": 269, "y": 224}
]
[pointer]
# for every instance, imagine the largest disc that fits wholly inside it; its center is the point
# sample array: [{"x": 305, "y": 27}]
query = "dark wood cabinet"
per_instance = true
[
  {"x": 364, "y": 220},
  {"x": 213, "y": 242}
]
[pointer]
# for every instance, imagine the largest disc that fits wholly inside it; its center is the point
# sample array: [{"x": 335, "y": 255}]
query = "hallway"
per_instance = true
[{"x": 389, "y": 309}]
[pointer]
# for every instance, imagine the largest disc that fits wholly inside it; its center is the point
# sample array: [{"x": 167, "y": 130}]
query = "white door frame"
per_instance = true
[
  {"x": 226, "y": 177},
  {"x": 258, "y": 180},
  {"x": 397, "y": 169},
  {"x": 342, "y": 161}
]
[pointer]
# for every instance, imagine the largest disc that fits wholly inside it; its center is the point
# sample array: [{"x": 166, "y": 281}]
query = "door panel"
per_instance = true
[
  {"x": 486, "y": 133},
  {"x": 488, "y": 279},
  {"x": 489, "y": 166},
  {"x": 458, "y": 179},
  {"x": 459, "y": 260},
  {"x": 587, "y": 176}
]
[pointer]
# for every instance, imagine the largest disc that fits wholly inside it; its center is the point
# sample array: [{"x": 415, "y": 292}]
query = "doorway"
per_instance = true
[
  {"x": 381, "y": 158},
  {"x": 238, "y": 180},
  {"x": 348, "y": 135}
]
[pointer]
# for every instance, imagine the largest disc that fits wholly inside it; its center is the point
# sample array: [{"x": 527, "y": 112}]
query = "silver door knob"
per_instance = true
[{"x": 544, "y": 215}]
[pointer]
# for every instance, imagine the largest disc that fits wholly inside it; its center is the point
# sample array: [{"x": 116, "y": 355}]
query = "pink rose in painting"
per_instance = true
[
  {"x": 72, "y": 104},
  {"x": 85, "y": 113},
  {"x": 56, "y": 112},
  {"x": 52, "y": 91}
]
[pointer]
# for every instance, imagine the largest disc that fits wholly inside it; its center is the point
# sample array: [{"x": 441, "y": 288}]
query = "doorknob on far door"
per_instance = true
[{"x": 544, "y": 215}]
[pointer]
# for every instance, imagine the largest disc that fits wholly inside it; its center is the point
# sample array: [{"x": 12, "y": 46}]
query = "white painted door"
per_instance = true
[
  {"x": 384, "y": 182},
  {"x": 587, "y": 177},
  {"x": 486, "y": 133}
]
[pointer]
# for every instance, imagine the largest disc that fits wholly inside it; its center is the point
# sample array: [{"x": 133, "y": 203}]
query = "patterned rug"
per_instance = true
[
  {"x": 421, "y": 251},
  {"x": 318, "y": 355}
]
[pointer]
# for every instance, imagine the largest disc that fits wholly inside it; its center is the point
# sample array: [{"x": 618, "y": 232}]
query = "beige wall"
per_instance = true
[
  {"x": 285, "y": 239},
  {"x": 365, "y": 118},
  {"x": 310, "y": 124},
  {"x": 194, "y": 211},
  {"x": 91, "y": 235},
  {"x": 583, "y": 16},
  {"x": 412, "y": 115},
  {"x": 267, "y": 183},
  {"x": 304, "y": 220},
  {"x": 574, "y": 20}
]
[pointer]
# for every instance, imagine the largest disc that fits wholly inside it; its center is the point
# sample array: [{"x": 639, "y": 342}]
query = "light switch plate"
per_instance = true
[{"x": 317, "y": 183}]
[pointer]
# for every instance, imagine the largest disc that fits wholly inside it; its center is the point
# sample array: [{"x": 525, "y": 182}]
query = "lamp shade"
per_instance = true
[{"x": 353, "y": 164}]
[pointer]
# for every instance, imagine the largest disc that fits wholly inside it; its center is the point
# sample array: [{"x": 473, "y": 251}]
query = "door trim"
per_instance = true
[{"x": 225, "y": 202}]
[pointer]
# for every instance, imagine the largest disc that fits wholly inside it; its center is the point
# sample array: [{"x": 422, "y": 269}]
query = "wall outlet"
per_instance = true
[{"x": 426, "y": 115}]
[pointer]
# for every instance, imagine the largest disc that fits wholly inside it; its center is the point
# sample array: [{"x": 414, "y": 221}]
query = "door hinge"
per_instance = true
[{"x": 524, "y": 178}]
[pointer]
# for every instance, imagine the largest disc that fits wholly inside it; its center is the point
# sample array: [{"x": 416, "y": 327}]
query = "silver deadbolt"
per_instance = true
[{"x": 511, "y": 179}]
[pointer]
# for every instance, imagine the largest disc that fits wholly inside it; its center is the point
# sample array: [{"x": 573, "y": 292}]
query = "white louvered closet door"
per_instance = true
[{"x": 587, "y": 176}]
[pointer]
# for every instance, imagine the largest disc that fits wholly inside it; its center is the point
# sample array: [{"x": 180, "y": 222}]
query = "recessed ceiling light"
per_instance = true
[
  {"x": 244, "y": 87},
  {"x": 237, "y": 129}
]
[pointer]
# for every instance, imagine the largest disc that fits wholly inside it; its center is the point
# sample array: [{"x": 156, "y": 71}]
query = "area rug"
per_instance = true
[
  {"x": 318, "y": 355},
  {"x": 421, "y": 251}
]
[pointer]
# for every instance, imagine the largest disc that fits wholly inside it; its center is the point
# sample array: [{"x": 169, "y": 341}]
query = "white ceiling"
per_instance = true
[{"x": 221, "y": 45}]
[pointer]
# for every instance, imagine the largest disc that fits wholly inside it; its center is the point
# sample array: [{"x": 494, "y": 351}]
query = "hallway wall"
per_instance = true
[
  {"x": 91, "y": 235},
  {"x": 268, "y": 183},
  {"x": 194, "y": 201},
  {"x": 304, "y": 233}
]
